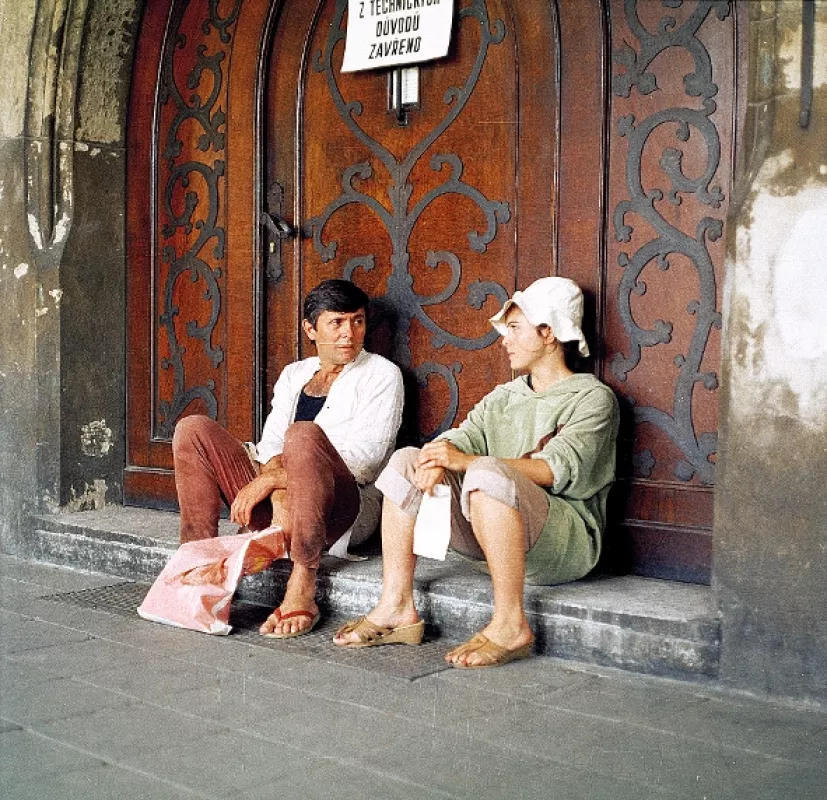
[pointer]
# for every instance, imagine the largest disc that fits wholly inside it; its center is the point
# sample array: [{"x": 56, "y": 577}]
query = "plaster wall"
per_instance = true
[
  {"x": 93, "y": 267},
  {"x": 18, "y": 281},
  {"x": 770, "y": 554},
  {"x": 63, "y": 102}
]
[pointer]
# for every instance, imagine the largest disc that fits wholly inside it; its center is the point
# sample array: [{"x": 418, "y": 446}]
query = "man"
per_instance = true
[
  {"x": 529, "y": 471},
  {"x": 332, "y": 426}
]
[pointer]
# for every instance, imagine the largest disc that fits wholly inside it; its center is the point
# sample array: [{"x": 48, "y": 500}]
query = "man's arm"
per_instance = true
[
  {"x": 273, "y": 477},
  {"x": 371, "y": 432}
]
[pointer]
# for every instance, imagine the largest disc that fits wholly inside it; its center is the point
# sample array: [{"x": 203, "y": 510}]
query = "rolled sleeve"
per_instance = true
[
  {"x": 581, "y": 456},
  {"x": 369, "y": 440}
]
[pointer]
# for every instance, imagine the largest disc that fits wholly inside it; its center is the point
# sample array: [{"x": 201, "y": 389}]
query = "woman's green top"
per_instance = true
[{"x": 573, "y": 428}]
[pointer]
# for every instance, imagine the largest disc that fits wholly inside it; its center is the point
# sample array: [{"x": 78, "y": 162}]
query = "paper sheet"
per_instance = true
[{"x": 432, "y": 529}]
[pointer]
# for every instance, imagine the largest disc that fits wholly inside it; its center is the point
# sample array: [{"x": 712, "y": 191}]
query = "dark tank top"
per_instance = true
[{"x": 308, "y": 407}]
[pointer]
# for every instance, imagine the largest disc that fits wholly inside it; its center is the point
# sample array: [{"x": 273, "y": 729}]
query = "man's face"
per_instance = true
[{"x": 339, "y": 335}]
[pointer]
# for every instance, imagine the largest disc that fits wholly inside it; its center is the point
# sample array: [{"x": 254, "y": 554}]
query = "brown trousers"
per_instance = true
[{"x": 211, "y": 467}]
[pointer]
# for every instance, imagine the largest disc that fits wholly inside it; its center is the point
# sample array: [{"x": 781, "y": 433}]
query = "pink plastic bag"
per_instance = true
[{"x": 195, "y": 588}]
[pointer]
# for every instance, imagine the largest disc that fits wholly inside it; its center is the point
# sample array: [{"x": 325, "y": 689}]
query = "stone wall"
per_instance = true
[
  {"x": 18, "y": 282},
  {"x": 770, "y": 556},
  {"x": 65, "y": 87}
]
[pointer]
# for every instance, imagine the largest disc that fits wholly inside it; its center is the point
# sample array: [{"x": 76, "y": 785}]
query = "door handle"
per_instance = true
[
  {"x": 278, "y": 226},
  {"x": 278, "y": 229}
]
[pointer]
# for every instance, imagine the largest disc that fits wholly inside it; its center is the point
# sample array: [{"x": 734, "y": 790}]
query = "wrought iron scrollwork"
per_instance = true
[
  {"x": 400, "y": 219},
  {"x": 679, "y": 424},
  {"x": 208, "y": 115}
]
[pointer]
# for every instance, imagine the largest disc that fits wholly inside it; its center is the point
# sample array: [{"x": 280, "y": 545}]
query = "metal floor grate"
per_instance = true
[{"x": 398, "y": 661}]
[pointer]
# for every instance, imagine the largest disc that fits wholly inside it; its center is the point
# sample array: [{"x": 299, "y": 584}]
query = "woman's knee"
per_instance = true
[
  {"x": 485, "y": 465},
  {"x": 403, "y": 460},
  {"x": 487, "y": 479}
]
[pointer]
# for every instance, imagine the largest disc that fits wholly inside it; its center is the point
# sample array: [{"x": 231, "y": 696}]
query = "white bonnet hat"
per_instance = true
[{"x": 556, "y": 302}]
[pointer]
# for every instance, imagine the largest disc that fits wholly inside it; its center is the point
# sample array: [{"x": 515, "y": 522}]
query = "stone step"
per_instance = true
[{"x": 640, "y": 624}]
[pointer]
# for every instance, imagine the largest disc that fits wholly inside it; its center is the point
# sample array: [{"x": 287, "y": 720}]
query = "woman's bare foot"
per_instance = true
[
  {"x": 509, "y": 637},
  {"x": 384, "y": 617}
]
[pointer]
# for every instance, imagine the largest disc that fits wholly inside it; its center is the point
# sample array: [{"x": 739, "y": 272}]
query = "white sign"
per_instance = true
[{"x": 383, "y": 33}]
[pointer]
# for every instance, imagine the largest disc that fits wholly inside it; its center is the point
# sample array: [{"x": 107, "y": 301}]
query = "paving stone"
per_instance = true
[
  {"x": 620, "y": 749},
  {"x": 324, "y": 779},
  {"x": 227, "y": 764},
  {"x": 21, "y": 634},
  {"x": 455, "y": 760},
  {"x": 28, "y": 756},
  {"x": 55, "y": 700},
  {"x": 142, "y": 710},
  {"x": 78, "y": 658},
  {"x": 784, "y": 780},
  {"x": 104, "y": 782},
  {"x": 130, "y": 728},
  {"x": 810, "y": 744}
]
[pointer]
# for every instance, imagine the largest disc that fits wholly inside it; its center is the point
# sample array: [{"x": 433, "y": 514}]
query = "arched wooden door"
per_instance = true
[{"x": 539, "y": 145}]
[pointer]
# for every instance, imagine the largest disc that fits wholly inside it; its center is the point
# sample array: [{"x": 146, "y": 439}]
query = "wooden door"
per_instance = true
[
  {"x": 674, "y": 108},
  {"x": 439, "y": 215},
  {"x": 587, "y": 138}
]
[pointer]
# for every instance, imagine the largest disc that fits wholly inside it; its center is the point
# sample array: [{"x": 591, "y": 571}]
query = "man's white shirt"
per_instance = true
[{"x": 361, "y": 415}]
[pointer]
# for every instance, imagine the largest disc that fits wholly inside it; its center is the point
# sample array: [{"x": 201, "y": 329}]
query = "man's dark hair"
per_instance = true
[{"x": 334, "y": 295}]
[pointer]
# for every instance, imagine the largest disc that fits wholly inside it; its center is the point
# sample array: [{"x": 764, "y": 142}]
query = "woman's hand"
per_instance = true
[
  {"x": 426, "y": 479},
  {"x": 434, "y": 459},
  {"x": 443, "y": 454}
]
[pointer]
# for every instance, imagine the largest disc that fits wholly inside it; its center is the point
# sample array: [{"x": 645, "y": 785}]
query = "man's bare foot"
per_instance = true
[{"x": 299, "y": 596}]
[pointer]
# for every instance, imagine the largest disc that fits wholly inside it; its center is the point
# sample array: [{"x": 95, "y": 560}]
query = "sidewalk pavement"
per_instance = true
[{"x": 97, "y": 703}]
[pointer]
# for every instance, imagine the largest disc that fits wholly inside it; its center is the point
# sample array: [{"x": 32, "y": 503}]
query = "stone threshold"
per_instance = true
[{"x": 640, "y": 624}]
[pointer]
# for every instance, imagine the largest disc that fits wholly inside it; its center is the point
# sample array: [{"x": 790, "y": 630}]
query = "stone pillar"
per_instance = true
[
  {"x": 770, "y": 549},
  {"x": 63, "y": 99},
  {"x": 18, "y": 282}
]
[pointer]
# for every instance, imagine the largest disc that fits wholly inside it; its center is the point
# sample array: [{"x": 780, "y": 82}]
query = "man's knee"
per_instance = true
[
  {"x": 301, "y": 435},
  {"x": 189, "y": 429}
]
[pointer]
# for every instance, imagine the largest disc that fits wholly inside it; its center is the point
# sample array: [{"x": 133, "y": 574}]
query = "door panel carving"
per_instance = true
[
  {"x": 673, "y": 94},
  {"x": 192, "y": 274}
]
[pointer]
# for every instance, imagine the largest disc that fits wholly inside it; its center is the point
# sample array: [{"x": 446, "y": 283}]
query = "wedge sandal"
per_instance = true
[{"x": 370, "y": 634}]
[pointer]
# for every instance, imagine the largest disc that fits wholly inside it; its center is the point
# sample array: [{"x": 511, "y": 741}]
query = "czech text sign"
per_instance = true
[{"x": 383, "y": 33}]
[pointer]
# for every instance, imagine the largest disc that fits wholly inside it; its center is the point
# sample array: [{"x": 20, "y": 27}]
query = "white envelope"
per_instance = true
[{"x": 432, "y": 530}]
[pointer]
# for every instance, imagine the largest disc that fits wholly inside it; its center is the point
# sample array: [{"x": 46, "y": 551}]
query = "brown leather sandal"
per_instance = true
[
  {"x": 370, "y": 634},
  {"x": 491, "y": 653}
]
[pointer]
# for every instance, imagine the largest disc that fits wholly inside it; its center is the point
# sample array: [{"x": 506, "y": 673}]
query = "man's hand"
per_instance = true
[{"x": 251, "y": 495}]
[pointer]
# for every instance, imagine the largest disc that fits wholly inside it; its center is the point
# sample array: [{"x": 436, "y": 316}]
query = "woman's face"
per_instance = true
[{"x": 523, "y": 341}]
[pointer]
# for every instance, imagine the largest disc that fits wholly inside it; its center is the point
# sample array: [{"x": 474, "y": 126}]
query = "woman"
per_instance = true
[{"x": 530, "y": 470}]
